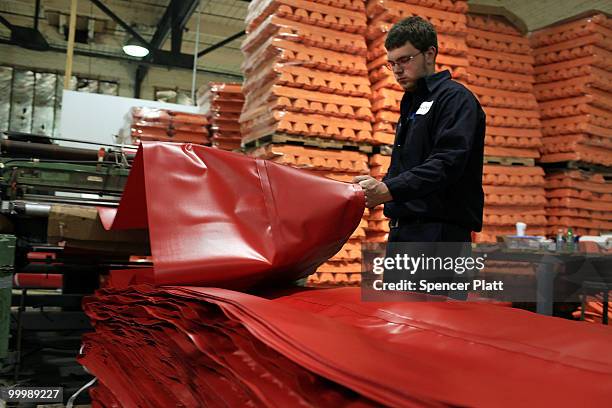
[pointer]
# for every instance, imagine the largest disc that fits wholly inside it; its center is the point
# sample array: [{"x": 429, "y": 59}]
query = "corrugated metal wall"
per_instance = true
[
  {"x": 31, "y": 102},
  {"x": 44, "y": 104},
  {"x": 6, "y": 77},
  {"x": 22, "y": 98}
]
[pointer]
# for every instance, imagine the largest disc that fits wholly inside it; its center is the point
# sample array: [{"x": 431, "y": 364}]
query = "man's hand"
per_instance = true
[{"x": 376, "y": 192}]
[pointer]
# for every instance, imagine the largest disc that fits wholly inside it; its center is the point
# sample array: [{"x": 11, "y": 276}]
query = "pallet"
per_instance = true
[
  {"x": 385, "y": 150},
  {"x": 579, "y": 165},
  {"x": 306, "y": 142},
  {"x": 509, "y": 161}
]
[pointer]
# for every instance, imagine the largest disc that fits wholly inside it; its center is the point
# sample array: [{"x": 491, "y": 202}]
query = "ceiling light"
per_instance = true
[{"x": 134, "y": 48}]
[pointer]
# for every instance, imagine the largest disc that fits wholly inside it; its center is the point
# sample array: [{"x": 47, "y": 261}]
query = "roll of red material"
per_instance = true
[
  {"x": 38, "y": 280},
  {"x": 218, "y": 218}
]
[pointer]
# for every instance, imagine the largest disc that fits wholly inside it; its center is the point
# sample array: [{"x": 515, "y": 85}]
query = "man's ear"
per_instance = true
[{"x": 431, "y": 54}]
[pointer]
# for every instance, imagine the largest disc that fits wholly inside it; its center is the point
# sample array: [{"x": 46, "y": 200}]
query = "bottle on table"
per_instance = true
[
  {"x": 559, "y": 241},
  {"x": 570, "y": 240}
]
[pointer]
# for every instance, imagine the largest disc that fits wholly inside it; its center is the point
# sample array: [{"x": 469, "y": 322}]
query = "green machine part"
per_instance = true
[
  {"x": 7, "y": 259},
  {"x": 36, "y": 176}
]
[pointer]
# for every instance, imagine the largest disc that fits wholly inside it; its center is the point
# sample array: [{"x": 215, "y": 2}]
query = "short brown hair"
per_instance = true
[{"x": 415, "y": 30}]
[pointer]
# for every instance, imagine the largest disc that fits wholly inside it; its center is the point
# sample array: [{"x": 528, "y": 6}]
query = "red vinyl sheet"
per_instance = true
[
  {"x": 398, "y": 354},
  {"x": 164, "y": 336},
  {"x": 444, "y": 352},
  {"x": 217, "y": 218}
]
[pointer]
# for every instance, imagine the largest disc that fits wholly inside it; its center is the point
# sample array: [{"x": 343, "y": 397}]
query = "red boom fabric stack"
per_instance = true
[
  {"x": 149, "y": 124},
  {"x": 222, "y": 103}
]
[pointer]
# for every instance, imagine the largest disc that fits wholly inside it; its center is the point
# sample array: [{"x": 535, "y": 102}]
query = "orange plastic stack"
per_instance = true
[
  {"x": 574, "y": 88},
  {"x": 580, "y": 200},
  {"x": 594, "y": 309},
  {"x": 345, "y": 267},
  {"x": 378, "y": 224},
  {"x": 167, "y": 126},
  {"x": 305, "y": 70},
  {"x": 512, "y": 194},
  {"x": 501, "y": 75},
  {"x": 222, "y": 103},
  {"x": 450, "y": 21}
]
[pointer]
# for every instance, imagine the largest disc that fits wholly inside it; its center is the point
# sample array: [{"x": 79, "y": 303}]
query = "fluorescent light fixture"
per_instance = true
[{"x": 134, "y": 49}]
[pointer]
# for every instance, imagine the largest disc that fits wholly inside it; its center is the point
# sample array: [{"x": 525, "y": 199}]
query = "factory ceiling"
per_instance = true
[{"x": 170, "y": 26}]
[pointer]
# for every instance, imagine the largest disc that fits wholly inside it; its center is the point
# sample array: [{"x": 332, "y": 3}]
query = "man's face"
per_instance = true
[{"x": 408, "y": 71}]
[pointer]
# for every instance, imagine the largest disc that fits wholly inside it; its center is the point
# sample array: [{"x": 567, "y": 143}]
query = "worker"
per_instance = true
[{"x": 432, "y": 191}]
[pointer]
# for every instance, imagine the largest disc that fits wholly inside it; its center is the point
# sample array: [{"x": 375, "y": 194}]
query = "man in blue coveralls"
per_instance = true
[{"x": 432, "y": 191}]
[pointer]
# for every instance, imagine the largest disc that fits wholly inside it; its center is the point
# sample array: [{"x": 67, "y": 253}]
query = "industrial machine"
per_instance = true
[{"x": 54, "y": 251}]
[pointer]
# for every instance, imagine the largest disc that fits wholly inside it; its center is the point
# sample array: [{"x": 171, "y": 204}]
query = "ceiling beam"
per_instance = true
[
  {"x": 182, "y": 10},
  {"x": 173, "y": 21},
  {"x": 220, "y": 44},
  {"x": 177, "y": 30},
  {"x": 125, "y": 58},
  {"x": 119, "y": 21},
  {"x": 36, "y": 14},
  {"x": 5, "y": 22}
]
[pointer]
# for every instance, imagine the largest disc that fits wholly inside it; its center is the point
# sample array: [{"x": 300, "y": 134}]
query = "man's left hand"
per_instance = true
[{"x": 376, "y": 192}]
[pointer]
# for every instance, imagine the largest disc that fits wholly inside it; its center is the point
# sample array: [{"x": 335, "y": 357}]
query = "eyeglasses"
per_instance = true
[{"x": 402, "y": 62}]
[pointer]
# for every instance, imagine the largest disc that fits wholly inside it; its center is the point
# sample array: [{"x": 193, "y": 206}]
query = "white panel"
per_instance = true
[
  {"x": 59, "y": 89},
  {"x": 98, "y": 118}
]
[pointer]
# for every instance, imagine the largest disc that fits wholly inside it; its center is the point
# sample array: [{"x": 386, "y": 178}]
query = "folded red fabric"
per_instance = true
[
  {"x": 218, "y": 218},
  {"x": 210, "y": 347}
]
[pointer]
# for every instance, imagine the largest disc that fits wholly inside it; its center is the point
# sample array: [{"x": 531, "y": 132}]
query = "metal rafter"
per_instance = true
[
  {"x": 6, "y": 23},
  {"x": 173, "y": 21},
  {"x": 220, "y": 44},
  {"x": 182, "y": 11},
  {"x": 119, "y": 21},
  {"x": 125, "y": 58},
  {"x": 177, "y": 32}
]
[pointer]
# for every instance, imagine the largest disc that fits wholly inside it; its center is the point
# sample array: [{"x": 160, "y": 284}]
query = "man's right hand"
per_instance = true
[{"x": 376, "y": 192}]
